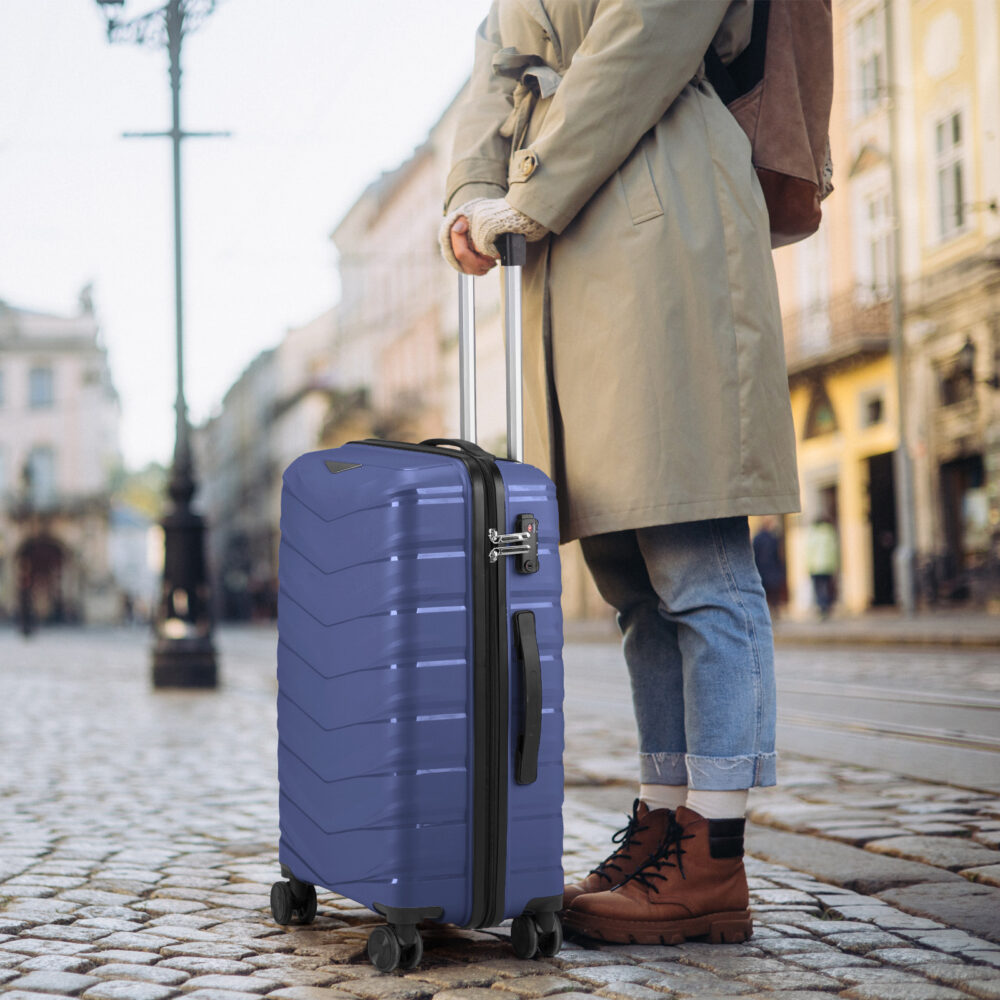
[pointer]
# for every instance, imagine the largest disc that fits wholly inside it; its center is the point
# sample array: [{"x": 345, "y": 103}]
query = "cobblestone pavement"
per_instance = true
[{"x": 138, "y": 842}]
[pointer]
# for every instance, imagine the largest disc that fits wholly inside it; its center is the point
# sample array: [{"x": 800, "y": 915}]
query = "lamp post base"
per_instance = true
[{"x": 184, "y": 663}]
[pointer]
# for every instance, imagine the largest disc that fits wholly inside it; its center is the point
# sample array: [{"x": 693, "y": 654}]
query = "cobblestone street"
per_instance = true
[{"x": 138, "y": 843}]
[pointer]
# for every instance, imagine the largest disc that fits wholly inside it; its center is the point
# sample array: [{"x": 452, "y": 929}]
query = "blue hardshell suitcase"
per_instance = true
[{"x": 420, "y": 680}]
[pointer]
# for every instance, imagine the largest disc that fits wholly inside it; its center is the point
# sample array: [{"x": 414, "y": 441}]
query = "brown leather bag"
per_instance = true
[{"x": 780, "y": 90}]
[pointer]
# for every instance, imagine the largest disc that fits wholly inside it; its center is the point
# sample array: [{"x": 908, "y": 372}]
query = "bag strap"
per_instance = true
[{"x": 747, "y": 69}]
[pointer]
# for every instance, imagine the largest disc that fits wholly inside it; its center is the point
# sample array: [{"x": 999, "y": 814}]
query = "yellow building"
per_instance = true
[
  {"x": 910, "y": 114},
  {"x": 836, "y": 301},
  {"x": 949, "y": 156}
]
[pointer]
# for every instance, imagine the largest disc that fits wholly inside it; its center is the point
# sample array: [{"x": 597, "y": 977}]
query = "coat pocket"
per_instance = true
[{"x": 640, "y": 190}]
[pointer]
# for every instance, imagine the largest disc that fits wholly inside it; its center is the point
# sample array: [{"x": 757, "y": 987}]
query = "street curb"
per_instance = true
[
  {"x": 833, "y": 633},
  {"x": 847, "y": 638},
  {"x": 840, "y": 864}
]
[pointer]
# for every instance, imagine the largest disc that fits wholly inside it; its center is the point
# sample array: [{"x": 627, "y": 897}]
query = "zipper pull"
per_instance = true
[
  {"x": 508, "y": 545},
  {"x": 522, "y": 543}
]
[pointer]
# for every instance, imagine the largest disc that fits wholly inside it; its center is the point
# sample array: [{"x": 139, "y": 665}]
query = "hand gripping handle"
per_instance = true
[{"x": 513, "y": 253}]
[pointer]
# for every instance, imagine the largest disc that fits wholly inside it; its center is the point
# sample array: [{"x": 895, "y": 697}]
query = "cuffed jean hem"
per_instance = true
[
  {"x": 663, "y": 769},
  {"x": 717, "y": 774},
  {"x": 723, "y": 774}
]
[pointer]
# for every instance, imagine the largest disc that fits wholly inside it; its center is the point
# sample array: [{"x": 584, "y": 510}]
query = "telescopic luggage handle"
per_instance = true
[{"x": 513, "y": 253}]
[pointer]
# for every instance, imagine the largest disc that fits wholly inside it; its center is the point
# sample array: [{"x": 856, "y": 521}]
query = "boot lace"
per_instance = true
[
  {"x": 625, "y": 837},
  {"x": 652, "y": 867}
]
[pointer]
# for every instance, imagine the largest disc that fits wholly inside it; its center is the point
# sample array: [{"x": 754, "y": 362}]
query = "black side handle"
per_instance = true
[
  {"x": 526, "y": 644},
  {"x": 466, "y": 446},
  {"x": 513, "y": 249}
]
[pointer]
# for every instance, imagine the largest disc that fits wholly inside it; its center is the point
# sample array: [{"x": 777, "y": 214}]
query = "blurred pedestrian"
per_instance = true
[
  {"x": 770, "y": 565},
  {"x": 655, "y": 396},
  {"x": 822, "y": 562},
  {"x": 25, "y": 597}
]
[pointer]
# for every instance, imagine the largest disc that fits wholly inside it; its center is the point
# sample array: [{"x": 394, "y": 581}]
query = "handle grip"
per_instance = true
[
  {"x": 513, "y": 249},
  {"x": 526, "y": 644},
  {"x": 462, "y": 445}
]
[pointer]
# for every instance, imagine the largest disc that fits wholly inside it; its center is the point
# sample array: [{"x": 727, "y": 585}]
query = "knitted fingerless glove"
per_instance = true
[{"x": 488, "y": 219}]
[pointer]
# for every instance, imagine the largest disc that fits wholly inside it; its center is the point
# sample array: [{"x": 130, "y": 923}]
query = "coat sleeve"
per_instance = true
[
  {"x": 635, "y": 59},
  {"x": 480, "y": 154}
]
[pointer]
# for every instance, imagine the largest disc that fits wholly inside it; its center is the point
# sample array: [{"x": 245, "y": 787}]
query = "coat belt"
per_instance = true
[{"x": 535, "y": 80}]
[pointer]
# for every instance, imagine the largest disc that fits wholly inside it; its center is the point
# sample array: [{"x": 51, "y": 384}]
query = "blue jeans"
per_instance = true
[{"x": 699, "y": 649}]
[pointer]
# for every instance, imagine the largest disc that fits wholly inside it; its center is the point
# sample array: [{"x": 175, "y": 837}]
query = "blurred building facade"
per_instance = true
[
  {"x": 59, "y": 455},
  {"x": 914, "y": 141},
  {"x": 275, "y": 411},
  {"x": 950, "y": 160}
]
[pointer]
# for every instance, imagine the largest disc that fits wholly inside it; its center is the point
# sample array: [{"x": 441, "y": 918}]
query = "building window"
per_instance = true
[
  {"x": 42, "y": 475},
  {"x": 820, "y": 417},
  {"x": 41, "y": 393},
  {"x": 878, "y": 232},
  {"x": 956, "y": 387},
  {"x": 949, "y": 170},
  {"x": 869, "y": 62},
  {"x": 872, "y": 409},
  {"x": 814, "y": 292}
]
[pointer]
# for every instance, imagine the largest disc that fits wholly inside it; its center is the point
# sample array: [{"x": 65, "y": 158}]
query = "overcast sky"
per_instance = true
[{"x": 320, "y": 95}]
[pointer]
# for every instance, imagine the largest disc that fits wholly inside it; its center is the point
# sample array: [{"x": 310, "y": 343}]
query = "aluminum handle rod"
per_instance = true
[
  {"x": 467, "y": 357},
  {"x": 512, "y": 258},
  {"x": 512, "y": 326}
]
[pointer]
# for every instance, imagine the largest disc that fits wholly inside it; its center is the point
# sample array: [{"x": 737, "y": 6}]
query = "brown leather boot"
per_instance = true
[
  {"x": 636, "y": 840},
  {"x": 692, "y": 885}
]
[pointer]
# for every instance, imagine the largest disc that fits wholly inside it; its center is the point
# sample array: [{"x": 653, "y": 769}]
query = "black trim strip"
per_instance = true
[
  {"x": 498, "y": 713},
  {"x": 490, "y": 680}
]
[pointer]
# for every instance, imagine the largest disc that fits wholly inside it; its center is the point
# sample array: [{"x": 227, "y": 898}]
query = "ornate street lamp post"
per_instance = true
[{"x": 183, "y": 653}]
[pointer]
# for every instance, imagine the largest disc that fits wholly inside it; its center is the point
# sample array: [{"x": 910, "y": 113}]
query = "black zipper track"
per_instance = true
[{"x": 490, "y": 685}]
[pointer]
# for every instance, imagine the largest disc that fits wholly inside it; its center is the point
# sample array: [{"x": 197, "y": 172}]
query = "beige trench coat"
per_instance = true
[{"x": 654, "y": 382}]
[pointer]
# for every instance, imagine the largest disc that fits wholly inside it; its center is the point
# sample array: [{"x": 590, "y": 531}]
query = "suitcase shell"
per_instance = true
[{"x": 381, "y": 783}]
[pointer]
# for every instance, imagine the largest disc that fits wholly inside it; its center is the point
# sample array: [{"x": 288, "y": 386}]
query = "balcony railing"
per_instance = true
[
  {"x": 849, "y": 324},
  {"x": 19, "y": 507}
]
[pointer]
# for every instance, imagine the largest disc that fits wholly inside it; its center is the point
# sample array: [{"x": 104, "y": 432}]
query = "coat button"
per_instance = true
[{"x": 523, "y": 165}]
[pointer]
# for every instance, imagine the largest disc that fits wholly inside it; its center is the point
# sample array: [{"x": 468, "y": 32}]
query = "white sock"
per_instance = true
[
  {"x": 663, "y": 796},
  {"x": 717, "y": 805}
]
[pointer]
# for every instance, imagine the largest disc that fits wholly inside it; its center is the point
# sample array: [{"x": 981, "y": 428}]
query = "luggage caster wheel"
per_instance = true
[
  {"x": 384, "y": 949},
  {"x": 550, "y": 942},
  {"x": 412, "y": 954},
  {"x": 524, "y": 936},
  {"x": 305, "y": 908},
  {"x": 282, "y": 903}
]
